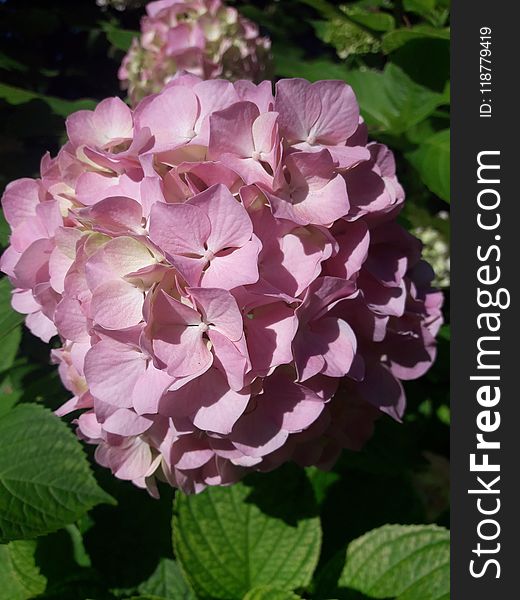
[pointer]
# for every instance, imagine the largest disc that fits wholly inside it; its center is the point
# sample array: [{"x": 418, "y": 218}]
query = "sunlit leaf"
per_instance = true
[
  {"x": 119, "y": 38},
  {"x": 407, "y": 562},
  {"x": 167, "y": 581},
  {"x": 9, "y": 318},
  {"x": 390, "y": 101},
  {"x": 397, "y": 38},
  {"x": 232, "y": 539},
  {"x": 20, "y": 578},
  {"x": 432, "y": 161},
  {"x": 45, "y": 479},
  {"x": 15, "y": 96}
]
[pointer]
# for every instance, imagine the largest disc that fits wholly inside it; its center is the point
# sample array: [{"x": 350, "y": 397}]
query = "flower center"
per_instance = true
[{"x": 208, "y": 256}]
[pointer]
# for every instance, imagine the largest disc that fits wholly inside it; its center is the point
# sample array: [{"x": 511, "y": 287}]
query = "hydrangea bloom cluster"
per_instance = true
[
  {"x": 202, "y": 37},
  {"x": 227, "y": 277}
]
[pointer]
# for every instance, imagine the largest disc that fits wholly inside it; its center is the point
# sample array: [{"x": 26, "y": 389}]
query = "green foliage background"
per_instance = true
[{"x": 68, "y": 529}]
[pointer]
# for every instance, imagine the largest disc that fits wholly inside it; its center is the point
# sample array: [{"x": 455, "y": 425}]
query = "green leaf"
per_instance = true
[
  {"x": 445, "y": 332},
  {"x": 290, "y": 63},
  {"x": 10, "y": 344},
  {"x": 9, "y": 395},
  {"x": 9, "y": 319},
  {"x": 390, "y": 101},
  {"x": 422, "y": 131},
  {"x": 10, "y": 64},
  {"x": 167, "y": 582},
  {"x": 432, "y": 161},
  {"x": 325, "y": 8},
  {"x": 444, "y": 414},
  {"x": 397, "y": 38},
  {"x": 45, "y": 479},
  {"x": 230, "y": 540},
  {"x": 63, "y": 108},
  {"x": 269, "y": 592},
  {"x": 435, "y": 12},
  {"x": 26, "y": 381},
  {"x": 408, "y": 562},
  {"x": 376, "y": 21},
  {"x": 321, "y": 481},
  {"x": 20, "y": 578},
  {"x": 5, "y": 230},
  {"x": 79, "y": 551},
  {"x": 420, "y": 7},
  {"x": 415, "y": 59},
  {"x": 119, "y": 38}
]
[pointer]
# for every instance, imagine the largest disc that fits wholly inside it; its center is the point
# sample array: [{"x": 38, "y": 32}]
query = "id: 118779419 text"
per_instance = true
[{"x": 485, "y": 72}]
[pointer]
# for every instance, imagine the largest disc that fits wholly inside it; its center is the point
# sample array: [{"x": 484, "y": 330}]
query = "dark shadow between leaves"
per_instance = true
[
  {"x": 285, "y": 494},
  {"x": 127, "y": 541}
]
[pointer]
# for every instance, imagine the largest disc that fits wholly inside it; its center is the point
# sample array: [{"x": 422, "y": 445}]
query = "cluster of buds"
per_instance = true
[{"x": 202, "y": 37}]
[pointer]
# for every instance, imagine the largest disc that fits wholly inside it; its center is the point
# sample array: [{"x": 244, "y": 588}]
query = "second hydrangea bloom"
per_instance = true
[
  {"x": 227, "y": 276},
  {"x": 202, "y": 37}
]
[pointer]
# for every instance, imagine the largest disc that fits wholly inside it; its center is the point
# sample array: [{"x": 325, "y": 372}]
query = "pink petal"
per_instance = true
[
  {"x": 231, "y": 130},
  {"x": 89, "y": 426},
  {"x": 81, "y": 129},
  {"x": 239, "y": 267},
  {"x": 189, "y": 453},
  {"x": 339, "y": 341},
  {"x": 213, "y": 95},
  {"x": 117, "y": 305},
  {"x": 115, "y": 259},
  {"x": 296, "y": 405},
  {"x": 115, "y": 215},
  {"x": 113, "y": 119},
  {"x": 149, "y": 390},
  {"x": 230, "y": 223},
  {"x": 231, "y": 358},
  {"x": 265, "y": 132},
  {"x": 126, "y": 422},
  {"x": 209, "y": 401},
  {"x": 112, "y": 370},
  {"x": 33, "y": 266},
  {"x": 41, "y": 326},
  {"x": 24, "y": 302},
  {"x": 261, "y": 94},
  {"x": 325, "y": 112},
  {"x": 179, "y": 228},
  {"x": 220, "y": 311},
  {"x": 383, "y": 391},
  {"x": 269, "y": 335},
  {"x": 93, "y": 187},
  {"x": 131, "y": 462},
  {"x": 353, "y": 249},
  {"x": 294, "y": 261},
  {"x": 257, "y": 434},
  {"x": 183, "y": 350},
  {"x": 19, "y": 201},
  {"x": 171, "y": 117},
  {"x": 71, "y": 321},
  {"x": 169, "y": 311}
]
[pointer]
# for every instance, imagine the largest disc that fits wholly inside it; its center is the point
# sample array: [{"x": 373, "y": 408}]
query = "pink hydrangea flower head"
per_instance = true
[
  {"x": 203, "y": 37},
  {"x": 224, "y": 269}
]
